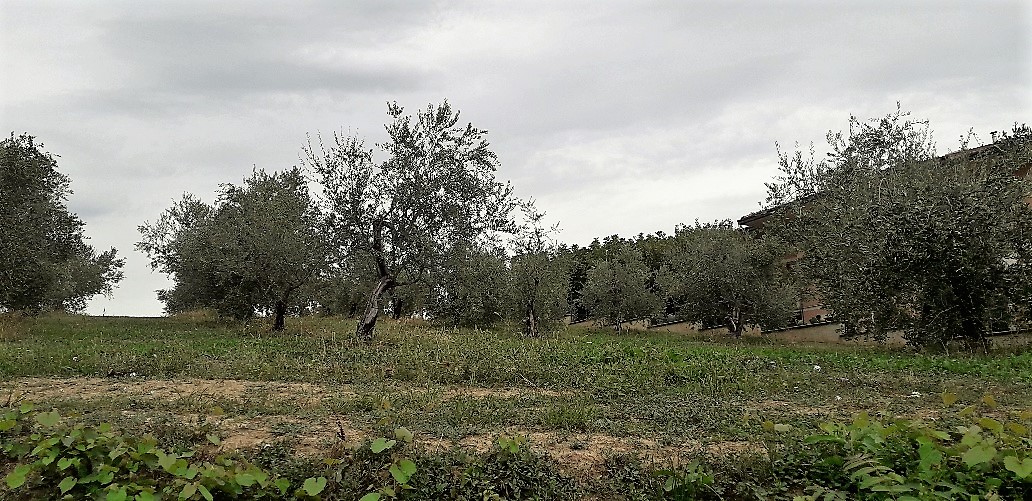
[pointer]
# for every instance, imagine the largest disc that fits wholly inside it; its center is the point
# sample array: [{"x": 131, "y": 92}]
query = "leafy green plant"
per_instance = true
[
  {"x": 510, "y": 445},
  {"x": 510, "y": 470},
  {"x": 691, "y": 481},
  {"x": 400, "y": 467},
  {"x": 54, "y": 459},
  {"x": 911, "y": 460}
]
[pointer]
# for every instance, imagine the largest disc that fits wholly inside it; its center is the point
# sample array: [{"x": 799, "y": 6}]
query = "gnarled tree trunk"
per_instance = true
[
  {"x": 366, "y": 324},
  {"x": 364, "y": 331},
  {"x": 532, "y": 329}
]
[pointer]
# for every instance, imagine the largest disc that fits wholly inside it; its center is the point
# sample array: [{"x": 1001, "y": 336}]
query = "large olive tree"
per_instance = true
[
  {"x": 897, "y": 237},
  {"x": 254, "y": 251},
  {"x": 718, "y": 275},
  {"x": 538, "y": 276},
  {"x": 616, "y": 288},
  {"x": 45, "y": 262},
  {"x": 433, "y": 191}
]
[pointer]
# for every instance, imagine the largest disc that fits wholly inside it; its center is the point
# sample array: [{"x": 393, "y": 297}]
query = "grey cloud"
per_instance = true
[{"x": 231, "y": 56}]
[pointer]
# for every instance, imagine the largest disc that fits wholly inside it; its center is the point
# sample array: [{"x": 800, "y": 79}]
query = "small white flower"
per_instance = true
[
  {"x": 838, "y": 397},
  {"x": 75, "y": 359},
  {"x": 817, "y": 368}
]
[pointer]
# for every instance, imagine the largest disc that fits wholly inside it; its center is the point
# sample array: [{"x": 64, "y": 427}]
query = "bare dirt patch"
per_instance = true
[
  {"x": 306, "y": 394},
  {"x": 910, "y": 406},
  {"x": 584, "y": 454},
  {"x": 786, "y": 407},
  {"x": 308, "y": 438},
  {"x": 475, "y": 392},
  {"x": 97, "y": 388}
]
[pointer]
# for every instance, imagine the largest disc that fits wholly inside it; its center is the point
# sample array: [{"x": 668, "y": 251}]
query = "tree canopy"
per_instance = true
[
  {"x": 896, "y": 237},
  {"x": 470, "y": 289},
  {"x": 253, "y": 251},
  {"x": 538, "y": 277},
  {"x": 718, "y": 275},
  {"x": 45, "y": 262},
  {"x": 616, "y": 288},
  {"x": 434, "y": 191}
]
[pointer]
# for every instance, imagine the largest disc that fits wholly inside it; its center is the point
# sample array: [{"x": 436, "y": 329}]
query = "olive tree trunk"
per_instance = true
[
  {"x": 281, "y": 313},
  {"x": 366, "y": 324},
  {"x": 735, "y": 325}
]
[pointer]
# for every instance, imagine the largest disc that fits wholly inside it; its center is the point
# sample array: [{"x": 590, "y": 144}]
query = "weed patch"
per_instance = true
[{"x": 594, "y": 407}]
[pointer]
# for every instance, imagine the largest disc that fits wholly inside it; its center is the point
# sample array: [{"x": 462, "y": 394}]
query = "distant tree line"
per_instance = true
[
  {"x": 711, "y": 274},
  {"x": 891, "y": 237},
  {"x": 420, "y": 226}
]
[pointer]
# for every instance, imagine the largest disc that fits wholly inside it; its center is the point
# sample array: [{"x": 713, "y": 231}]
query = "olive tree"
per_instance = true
[
  {"x": 616, "y": 289},
  {"x": 580, "y": 261},
  {"x": 434, "y": 190},
  {"x": 253, "y": 251},
  {"x": 45, "y": 262},
  {"x": 538, "y": 276},
  {"x": 470, "y": 289},
  {"x": 718, "y": 275},
  {"x": 895, "y": 236}
]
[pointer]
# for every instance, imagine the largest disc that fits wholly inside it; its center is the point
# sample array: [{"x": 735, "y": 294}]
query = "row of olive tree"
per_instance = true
[
  {"x": 708, "y": 274},
  {"x": 427, "y": 228},
  {"x": 892, "y": 237},
  {"x": 423, "y": 228}
]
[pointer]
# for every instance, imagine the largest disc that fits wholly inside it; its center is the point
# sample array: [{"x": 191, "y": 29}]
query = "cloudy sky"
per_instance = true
[{"x": 618, "y": 117}]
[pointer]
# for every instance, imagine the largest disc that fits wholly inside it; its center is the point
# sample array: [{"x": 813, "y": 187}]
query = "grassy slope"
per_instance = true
[{"x": 568, "y": 391}]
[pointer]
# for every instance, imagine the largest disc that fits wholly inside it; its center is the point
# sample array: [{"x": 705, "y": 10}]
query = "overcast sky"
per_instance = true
[{"x": 618, "y": 117}]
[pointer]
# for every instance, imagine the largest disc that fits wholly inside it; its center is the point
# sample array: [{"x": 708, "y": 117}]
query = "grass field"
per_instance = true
[{"x": 582, "y": 398}]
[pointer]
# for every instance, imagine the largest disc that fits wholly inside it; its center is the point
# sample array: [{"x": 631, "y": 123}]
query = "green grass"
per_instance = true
[{"x": 456, "y": 384}]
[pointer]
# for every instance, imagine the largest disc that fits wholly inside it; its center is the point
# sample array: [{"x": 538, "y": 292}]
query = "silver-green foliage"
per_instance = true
[
  {"x": 616, "y": 289},
  {"x": 45, "y": 262},
  {"x": 251, "y": 252},
  {"x": 470, "y": 290},
  {"x": 434, "y": 192},
  {"x": 717, "y": 275},
  {"x": 897, "y": 237},
  {"x": 538, "y": 277}
]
